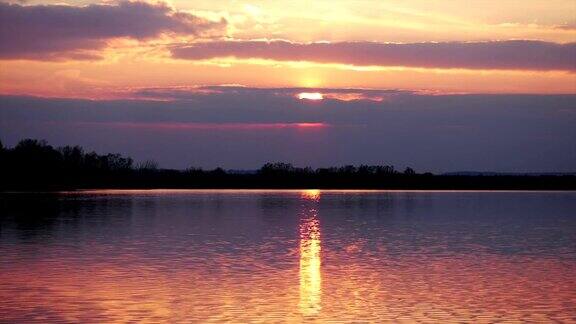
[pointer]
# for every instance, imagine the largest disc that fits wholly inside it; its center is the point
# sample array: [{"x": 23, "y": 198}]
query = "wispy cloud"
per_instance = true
[{"x": 567, "y": 26}]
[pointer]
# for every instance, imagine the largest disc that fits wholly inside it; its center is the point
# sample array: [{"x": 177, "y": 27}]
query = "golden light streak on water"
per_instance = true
[
  {"x": 222, "y": 256},
  {"x": 310, "y": 261},
  {"x": 311, "y": 194}
]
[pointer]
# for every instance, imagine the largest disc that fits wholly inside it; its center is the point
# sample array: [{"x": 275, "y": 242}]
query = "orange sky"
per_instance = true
[{"x": 127, "y": 61}]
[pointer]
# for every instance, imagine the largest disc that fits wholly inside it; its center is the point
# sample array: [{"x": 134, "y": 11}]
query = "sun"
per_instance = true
[{"x": 310, "y": 96}]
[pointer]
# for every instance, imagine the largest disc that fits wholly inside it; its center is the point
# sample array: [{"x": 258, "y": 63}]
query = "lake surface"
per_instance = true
[{"x": 288, "y": 256}]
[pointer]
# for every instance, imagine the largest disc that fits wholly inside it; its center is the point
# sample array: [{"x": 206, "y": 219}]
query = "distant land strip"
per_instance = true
[{"x": 34, "y": 165}]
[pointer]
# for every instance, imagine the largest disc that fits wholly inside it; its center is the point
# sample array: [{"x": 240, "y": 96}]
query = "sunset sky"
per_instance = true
[{"x": 448, "y": 85}]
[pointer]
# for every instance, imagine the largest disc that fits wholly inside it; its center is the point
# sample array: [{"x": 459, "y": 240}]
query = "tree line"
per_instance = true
[{"x": 36, "y": 165}]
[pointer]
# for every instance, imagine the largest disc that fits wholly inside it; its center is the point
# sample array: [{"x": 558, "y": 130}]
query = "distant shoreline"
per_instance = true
[
  {"x": 34, "y": 165},
  {"x": 119, "y": 191},
  {"x": 259, "y": 182}
]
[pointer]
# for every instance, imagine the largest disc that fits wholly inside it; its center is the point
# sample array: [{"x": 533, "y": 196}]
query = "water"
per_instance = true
[{"x": 288, "y": 256}]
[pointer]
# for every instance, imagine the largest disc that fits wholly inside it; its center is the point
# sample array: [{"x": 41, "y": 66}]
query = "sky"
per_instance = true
[{"x": 436, "y": 85}]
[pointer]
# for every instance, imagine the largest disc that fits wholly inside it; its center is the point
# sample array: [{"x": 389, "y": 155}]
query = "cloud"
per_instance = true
[
  {"x": 176, "y": 126},
  {"x": 194, "y": 93},
  {"x": 236, "y": 127},
  {"x": 55, "y": 32},
  {"x": 566, "y": 27},
  {"x": 236, "y": 104},
  {"x": 506, "y": 55}
]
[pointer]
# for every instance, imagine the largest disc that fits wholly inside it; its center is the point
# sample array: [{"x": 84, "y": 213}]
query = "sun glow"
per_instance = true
[{"x": 310, "y": 96}]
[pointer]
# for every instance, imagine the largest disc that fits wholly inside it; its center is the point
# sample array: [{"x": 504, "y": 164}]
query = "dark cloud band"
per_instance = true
[
  {"x": 245, "y": 127},
  {"x": 53, "y": 32},
  {"x": 503, "y": 55}
]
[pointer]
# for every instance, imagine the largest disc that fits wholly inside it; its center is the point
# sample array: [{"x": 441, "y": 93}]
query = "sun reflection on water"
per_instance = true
[
  {"x": 226, "y": 265},
  {"x": 310, "y": 262},
  {"x": 310, "y": 194}
]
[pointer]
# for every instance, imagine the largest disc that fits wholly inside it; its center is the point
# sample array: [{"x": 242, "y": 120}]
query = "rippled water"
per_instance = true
[{"x": 288, "y": 256}]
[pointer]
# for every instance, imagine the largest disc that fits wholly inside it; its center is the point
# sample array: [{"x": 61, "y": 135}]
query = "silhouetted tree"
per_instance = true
[
  {"x": 116, "y": 162},
  {"x": 194, "y": 170},
  {"x": 277, "y": 168},
  {"x": 2, "y": 158},
  {"x": 409, "y": 171},
  {"x": 72, "y": 158},
  {"x": 218, "y": 171},
  {"x": 348, "y": 169},
  {"x": 148, "y": 165},
  {"x": 33, "y": 165},
  {"x": 35, "y": 156}
]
